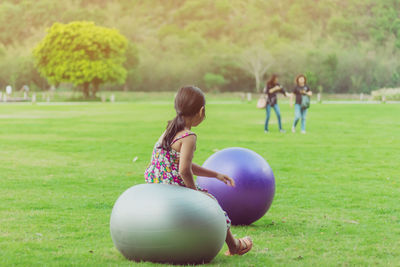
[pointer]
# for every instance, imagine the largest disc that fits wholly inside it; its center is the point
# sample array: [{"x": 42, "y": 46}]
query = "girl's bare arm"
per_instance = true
[
  {"x": 201, "y": 171},
  {"x": 185, "y": 162}
]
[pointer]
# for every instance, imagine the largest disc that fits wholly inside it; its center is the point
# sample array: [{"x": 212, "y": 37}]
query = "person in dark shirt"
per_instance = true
[
  {"x": 271, "y": 89},
  {"x": 299, "y": 112}
]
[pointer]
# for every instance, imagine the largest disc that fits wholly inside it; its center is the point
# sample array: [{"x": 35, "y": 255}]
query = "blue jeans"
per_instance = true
[
  {"x": 300, "y": 113},
  {"x": 278, "y": 115}
]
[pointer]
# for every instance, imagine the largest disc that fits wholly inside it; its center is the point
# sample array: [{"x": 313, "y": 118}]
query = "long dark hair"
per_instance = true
[
  {"x": 188, "y": 102},
  {"x": 298, "y": 77},
  {"x": 271, "y": 82}
]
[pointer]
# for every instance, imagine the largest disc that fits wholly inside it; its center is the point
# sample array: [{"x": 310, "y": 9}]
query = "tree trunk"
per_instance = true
[
  {"x": 86, "y": 90},
  {"x": 257, "y": 81},
  {"x": 95, "y": 88}
]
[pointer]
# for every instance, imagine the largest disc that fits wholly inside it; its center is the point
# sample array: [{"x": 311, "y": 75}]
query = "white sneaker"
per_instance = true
[
  {"x": 303, "y": 132},
  {"x": 293, "y": 129},
  {"x": 266, "y": 132}
]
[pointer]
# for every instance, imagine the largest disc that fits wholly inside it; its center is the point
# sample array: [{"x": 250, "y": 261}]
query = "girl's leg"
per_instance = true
[
  {"x": 232, "y": 242},
  {"x": 303, "y": 120},
  {"x": 237, "y": 246},
  {"x": 278, "y": 116},
  {"x": 268, "y": 108},
  {"x": 297, "y": 114}
]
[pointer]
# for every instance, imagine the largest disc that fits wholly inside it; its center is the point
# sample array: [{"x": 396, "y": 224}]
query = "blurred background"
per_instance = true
[{"x": 343, "y": 47}]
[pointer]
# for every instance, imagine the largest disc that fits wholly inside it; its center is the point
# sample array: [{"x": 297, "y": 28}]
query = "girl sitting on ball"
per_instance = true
[{"x": 171, "y": 161}]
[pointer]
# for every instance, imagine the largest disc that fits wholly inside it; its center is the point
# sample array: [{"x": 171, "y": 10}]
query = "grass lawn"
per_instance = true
[{"x": 337, "y": 196}]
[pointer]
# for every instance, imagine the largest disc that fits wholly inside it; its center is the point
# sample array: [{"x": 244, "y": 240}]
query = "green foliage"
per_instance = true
[
  {"x": 395, "y": 77},
  {"x": 214, "y": 81},
  {"x": 178, "y": 40},
  {"x": 340, "y": 26},
  {"x": 18, "y": 70},
  {"x": 82, "y": 53},
  {"x": 131, "y": 64},
  {"x": 312, "y": 80},
  {"x": 329, "y": 64},
  {"x": 2, "y": 51},
  {"x": 9, "y": 28}
]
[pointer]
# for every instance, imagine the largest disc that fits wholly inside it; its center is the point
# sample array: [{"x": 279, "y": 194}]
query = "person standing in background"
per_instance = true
[
  {"x": 300, "y": 109},
  {"x": 271, "y": 89}
]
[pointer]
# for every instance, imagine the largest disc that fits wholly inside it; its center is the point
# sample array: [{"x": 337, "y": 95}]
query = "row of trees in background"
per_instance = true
[{"x": 342, "y": 46}]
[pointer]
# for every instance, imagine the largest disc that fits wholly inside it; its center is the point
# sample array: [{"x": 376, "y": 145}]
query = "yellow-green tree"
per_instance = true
[{"x": 83, "y": 54}]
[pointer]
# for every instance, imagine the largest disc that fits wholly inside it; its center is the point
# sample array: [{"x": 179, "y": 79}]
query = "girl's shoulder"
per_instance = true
[{"x": 182, "y": 134}]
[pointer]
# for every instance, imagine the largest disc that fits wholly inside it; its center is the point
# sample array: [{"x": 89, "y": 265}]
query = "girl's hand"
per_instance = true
[{"x": 225, "y": 179}]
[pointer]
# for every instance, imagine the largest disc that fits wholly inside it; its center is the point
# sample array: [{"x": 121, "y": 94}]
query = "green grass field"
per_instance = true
[{"x": 337, "y": 196}]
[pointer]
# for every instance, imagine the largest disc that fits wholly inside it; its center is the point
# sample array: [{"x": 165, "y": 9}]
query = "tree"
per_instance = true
[
  {"x": 131, "y": 63},
  {"x": 256, "y": 61},
  {"x": 182, "y": 40},
  {"x": 214, "y": 81},
  {"x": 328, "y": 72},
  {"x": 312, "y": 80},
  {"x": 17, "y": 69},
  {"x": 83, "y": 54}
]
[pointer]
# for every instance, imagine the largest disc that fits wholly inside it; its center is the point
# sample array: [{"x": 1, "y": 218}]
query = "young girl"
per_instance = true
[
  {"x": 300, "y": 89},
  {"x": 171, "y": 161}
]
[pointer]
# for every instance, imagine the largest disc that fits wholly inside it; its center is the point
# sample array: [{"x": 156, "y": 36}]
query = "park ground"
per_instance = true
[{"x": 337, "y": 187}]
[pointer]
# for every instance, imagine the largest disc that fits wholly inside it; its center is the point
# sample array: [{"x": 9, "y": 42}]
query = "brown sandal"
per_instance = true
[{"x": 242, "y": 250}]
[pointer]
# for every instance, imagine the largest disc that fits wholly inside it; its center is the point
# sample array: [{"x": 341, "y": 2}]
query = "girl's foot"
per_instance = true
[
  {"x": 303, "y": 132},
  {"x": 245, "y": 245},
  {"x": 293, "y": 129},
  {"x": 282, "y": 131}
]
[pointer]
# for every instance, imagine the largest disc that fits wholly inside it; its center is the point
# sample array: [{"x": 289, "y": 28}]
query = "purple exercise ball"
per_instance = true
[{"x": 252, "y": 196}]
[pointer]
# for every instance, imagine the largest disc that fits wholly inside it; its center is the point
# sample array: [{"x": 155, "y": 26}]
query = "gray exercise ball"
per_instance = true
[{"x": 167, "y": 223}]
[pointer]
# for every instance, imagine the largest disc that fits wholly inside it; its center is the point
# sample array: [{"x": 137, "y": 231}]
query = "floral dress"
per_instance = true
[{"x": 164, "y": 168}]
